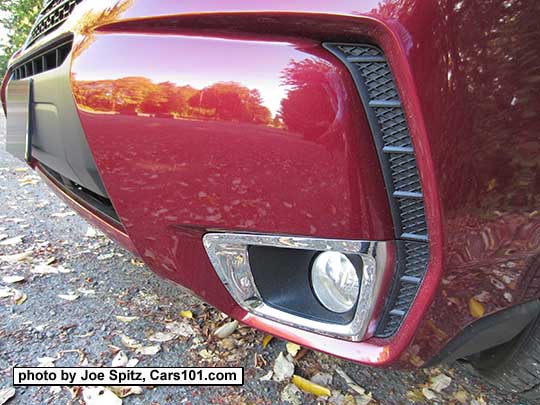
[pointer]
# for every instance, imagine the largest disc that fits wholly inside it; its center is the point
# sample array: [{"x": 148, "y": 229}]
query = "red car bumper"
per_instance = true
[{"x": 269, "y": 136}]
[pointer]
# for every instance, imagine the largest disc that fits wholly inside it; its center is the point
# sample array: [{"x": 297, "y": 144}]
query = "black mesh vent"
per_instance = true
[
  {"x": 53, "y": 15},
  {"x": 41, "y": 62},
  {"x": 378, "y": 91}
]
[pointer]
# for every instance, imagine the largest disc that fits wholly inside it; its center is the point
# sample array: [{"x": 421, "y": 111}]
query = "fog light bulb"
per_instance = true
[{"x": 335, "y": 281}]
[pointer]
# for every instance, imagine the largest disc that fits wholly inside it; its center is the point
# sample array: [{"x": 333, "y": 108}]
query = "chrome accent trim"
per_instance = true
[{"x": 228, "y": 253}]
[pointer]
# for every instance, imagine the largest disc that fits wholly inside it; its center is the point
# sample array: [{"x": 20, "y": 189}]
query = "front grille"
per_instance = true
[
  {"x": 378, "y": 91},
  {"x": 50, "y": 18},
  {"x": 43, "y": 61}
]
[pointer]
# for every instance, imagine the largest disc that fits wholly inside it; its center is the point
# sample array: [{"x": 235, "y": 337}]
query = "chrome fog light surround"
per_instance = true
[{"x": 228, "y": 253}]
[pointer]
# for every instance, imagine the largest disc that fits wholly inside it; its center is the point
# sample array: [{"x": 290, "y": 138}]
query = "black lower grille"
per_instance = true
[
  {"x": 378, "y": 91},
  {"x": 50, "y": 18},
  {"x": 44, "y": 60},
  {"x": 84, "y": 196}
]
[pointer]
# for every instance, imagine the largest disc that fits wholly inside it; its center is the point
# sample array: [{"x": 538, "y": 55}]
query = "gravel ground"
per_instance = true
[{"x": 108, "y": 282}]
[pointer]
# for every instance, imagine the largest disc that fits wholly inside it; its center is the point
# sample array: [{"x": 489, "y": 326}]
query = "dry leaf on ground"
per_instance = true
[
  {"x": 186, "y": 314},
  {"x": 362, "y": 396},
  {"x": 6, "y": 292},
  {"x": 126, "y": 391},
  {"x": 162, "y": 337},
  {"x": 283, "y": 368},
  {"x": 126, "y": 319},
  {"x": 46, "y": 361},
  {"x": 180, "y": 329},
  {"x": 310, "y": 387},
  {"x": 12, "y": 241},
  {"x": 226, "y": 330},
  {"x": 293, "y": 348},
  {"x": 120, "y": 360},
  {"x": 129, "y": 342},
  {"x": 18, "y": 257},
  {"x": 266, "y": 340},
  {"x": 440, "y": 382},
  {"x": 430, "y": 395},
  {"x": 68, "y": 297},
  {"x": 6, "y": 394},
  {"x": 12, "y": 279},
  {"x": 148, "y": 350},
  {"x": 19, "y": 297},
  {"x": 100, "y": 396},
  {"x": 292, "y": 395}
]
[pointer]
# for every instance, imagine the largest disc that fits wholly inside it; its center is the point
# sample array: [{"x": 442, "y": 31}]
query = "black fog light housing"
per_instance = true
[{"x": 290, "y": 279}]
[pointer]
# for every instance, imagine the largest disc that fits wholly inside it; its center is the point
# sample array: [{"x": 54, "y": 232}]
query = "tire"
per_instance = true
[{"x": 513, "y": 366}]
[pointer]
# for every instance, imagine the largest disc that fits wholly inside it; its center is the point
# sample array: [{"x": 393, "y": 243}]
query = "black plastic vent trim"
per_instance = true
[
  {"x": 380, "y": 97},
  {"x": 52, "y": 16},
  {"x": 43, "y": 60}
]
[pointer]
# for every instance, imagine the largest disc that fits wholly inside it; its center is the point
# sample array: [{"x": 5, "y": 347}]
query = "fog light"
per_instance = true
[{"x": 335, "y": 281}]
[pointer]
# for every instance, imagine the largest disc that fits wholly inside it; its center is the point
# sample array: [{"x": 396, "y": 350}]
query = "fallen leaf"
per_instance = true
[
  {"x": 283, "y": 368},
  {"x": 85, "y": 291},
  {"x": 292, "y": 348},
  {"x": 267, "y": 376},
  {"x": 6, "y": 292},
  {"x": 461, "y": 396},
  {"x": 440, "y": 382},
  {"x": 430, "y": 395},
  {"x": 44, "y": 269},
  {"x": 162, "y": 337},
  {"x": 12, "y": 241},
  {"x": 205, "y": 354},
  {"x": 126, "y": 391},
  {"x": 132, "y": 362},
  {"x": 46, "y": 361},
  {"x": 324, "y": 379},
  {"x": 91, "y": 232},
  {"x": 310, "y": 387},
  {"x": 68, "y": 297},
  {"x": 19, "y": 297},
  {"x": 186, "y": 314},
  {"x": 180, "y": 329},
  {"x": 120, "y": 360},
  {"x": 100, "y": 396},
  {"x": 106, "y": 256},
  {"x": 12, "y": 279},
  {"x": 6, "y": 394},
  {"x": 291, "y": 394},
  {"x": 266, "y": 340},
  {"x": 129, "y": 342},
  {"x": 226, "y": 330},
  {"x": 27, "y": 181},
  {"x": 126, "y": 319},
  {"x": 363, "y": 397},
  {"x": 137, "y": 262},
  {"x": 148, "y": 350},
  {"x": 62, "y": 214},
  {"x": 416, "y": 396},
  {"x": 21, "y": 169},
  {"x": 476, "y": 308},
  {"x": 478, "y": 401},
  {"x": 18, "y": 257}
]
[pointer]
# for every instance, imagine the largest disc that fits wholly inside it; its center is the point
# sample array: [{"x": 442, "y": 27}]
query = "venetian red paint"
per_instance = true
[{"x": 468, "y": 80}]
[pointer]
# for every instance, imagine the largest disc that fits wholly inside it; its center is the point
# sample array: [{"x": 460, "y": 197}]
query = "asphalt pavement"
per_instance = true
[{"x": 73, "y": 297}]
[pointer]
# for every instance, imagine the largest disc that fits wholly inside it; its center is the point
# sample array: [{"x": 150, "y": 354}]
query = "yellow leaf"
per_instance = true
[
  {"x": 186, "y": 314},
  {"x": 292, "y": 348},
  {"x": 312, "y": 388},
  {"x": 267, "y": 339},
  {"x": 476, "y": 308}
]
